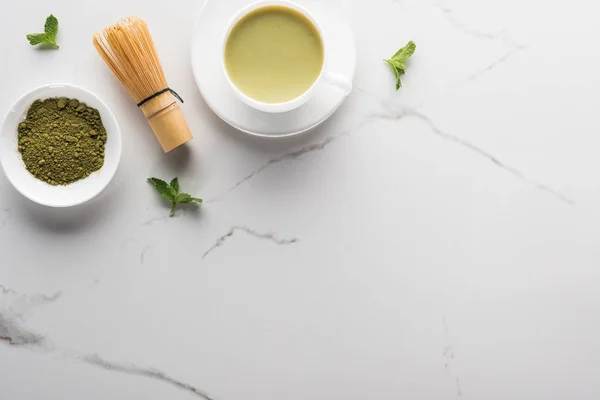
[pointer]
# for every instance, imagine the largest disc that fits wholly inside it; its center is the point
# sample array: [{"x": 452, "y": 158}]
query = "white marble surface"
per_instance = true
[{"x": 445, "y": 237}]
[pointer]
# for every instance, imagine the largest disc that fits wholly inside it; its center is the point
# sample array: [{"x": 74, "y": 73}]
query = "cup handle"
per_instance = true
[{"x": 340, "y": 83}]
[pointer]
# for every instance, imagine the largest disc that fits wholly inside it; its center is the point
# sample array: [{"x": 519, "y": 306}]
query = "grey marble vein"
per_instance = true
[
  {"x": 292, "y": 155},
  {"x": 495, "y": 63},
  {"x": 11, "y": 331},
  {"x": 152, "y": 221},
  {"x": 145, "y": 252},
  {"x": 466, "y": 29},
  {"x": 263, "y": 236},
  {"x": 287, "y": 156},
  {"x": 33, "y": 300},
  {"x": 6, "y": 290},
  {"x": 448, "y": 356},
  {"x": 407, "y": 112},
  {"x": 150, "y": 373},
  {"x": 26, "y": 302},
  {"x": 14, "y": 335},
  {"x": 39, "y": 299},
  {"x": 458, "y": 388},
  {"x": 502, "y": 36}
]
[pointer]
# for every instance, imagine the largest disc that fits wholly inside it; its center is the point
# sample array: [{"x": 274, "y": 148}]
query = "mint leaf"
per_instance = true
[
  {"x": 49, "y": 35},
  {"x": 170, "y": 191},
  {"x": 406, "y": 51},
  {"x": 398, "y": 64},
  {"x": 175, "y": 185},
  {"x": 36, "y": 38},
  {"x": 162, "y": 188},
  {"x": 396, "y": 73},
  {"x": 51, "y": 27},
  {"x": 185, "y": 198},
  {"x": 398, "y": 61}
]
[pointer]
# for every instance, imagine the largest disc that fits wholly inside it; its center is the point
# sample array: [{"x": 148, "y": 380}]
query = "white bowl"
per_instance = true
[{"x": 41, "y": 192}]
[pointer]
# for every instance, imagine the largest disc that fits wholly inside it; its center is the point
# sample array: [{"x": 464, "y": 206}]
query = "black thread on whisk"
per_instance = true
[{"x": 147, "y": 99}]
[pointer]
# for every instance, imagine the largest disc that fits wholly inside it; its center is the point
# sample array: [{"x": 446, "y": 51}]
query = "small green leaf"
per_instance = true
[
  {"x": 36, "y": 38},
  {"x": 398, "y": 61},
  {"x": 52, "y": 43},
  {"x": 51, "y": 27},
  {"x": 406, "y": 51},
  {"x": 175, "y": 185},
  {"x": 398, "y": 64},
  {"x": 49, "y": 35},
  {"x": 184, "y": 198},
  {"x": 171, "y": 192},
  {"x": 397, "y": 73},
  {"x": 162, "y": 188}
]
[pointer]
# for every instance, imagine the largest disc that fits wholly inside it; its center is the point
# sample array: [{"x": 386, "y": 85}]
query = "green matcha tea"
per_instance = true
[
  {"x": 274, "y": 54},
  {"x": 62, "y": 140}
]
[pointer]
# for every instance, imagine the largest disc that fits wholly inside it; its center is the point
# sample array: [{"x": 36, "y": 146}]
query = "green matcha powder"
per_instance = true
[{"x": 62, "y": 140}]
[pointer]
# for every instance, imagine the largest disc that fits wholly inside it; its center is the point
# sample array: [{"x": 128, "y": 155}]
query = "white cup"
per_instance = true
[{"x": 338, "y": 82}]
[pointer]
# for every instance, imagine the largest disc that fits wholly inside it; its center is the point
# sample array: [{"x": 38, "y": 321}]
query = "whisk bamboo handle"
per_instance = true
[{"x": 167, "y": 121}]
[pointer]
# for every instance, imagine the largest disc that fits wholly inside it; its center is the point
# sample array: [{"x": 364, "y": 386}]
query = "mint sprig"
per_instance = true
[
  {"x": 170, "y": 191},
  {"x": 49, "y": 35},
  {"x": 398, "y": 61}
]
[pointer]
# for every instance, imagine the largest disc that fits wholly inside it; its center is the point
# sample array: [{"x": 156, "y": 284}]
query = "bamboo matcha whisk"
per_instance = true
[{"x": 128, "y": 49}]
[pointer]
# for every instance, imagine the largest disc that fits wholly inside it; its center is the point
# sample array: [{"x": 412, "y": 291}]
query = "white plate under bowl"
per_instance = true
[
  {"x": 38, "y": 191},
  {"x": 206, "y": 55}
]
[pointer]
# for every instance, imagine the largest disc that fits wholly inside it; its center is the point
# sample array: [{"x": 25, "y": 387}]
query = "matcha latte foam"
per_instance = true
[
  {"x": 274, "y": 54},
  {"x": 61, "y": 140}
]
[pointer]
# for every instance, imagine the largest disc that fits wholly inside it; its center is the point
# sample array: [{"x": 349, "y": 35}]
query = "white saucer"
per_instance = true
[{"x": 207, "y": 68}]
